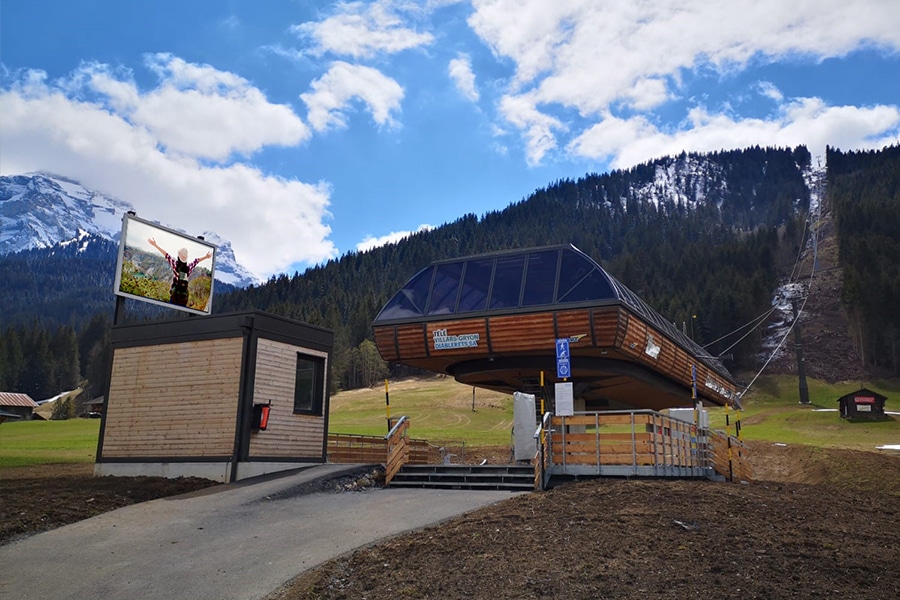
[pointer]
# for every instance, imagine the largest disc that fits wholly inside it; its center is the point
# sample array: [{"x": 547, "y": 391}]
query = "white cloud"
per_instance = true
[
  {"x": 333, "y": 92},
  {"x": 198, "y": 110},
  {"x": 392, "y": 238},
  {"x": 770, "y": 90},
  {"x": 363, "y": 30},
  {"x": 460, "y": 71},
  {"x": 806, "y": 121},
  {"x": 537, "y": 128},
  {"x": 116, "y": 144},
  {"x": 619, "y": 58}
]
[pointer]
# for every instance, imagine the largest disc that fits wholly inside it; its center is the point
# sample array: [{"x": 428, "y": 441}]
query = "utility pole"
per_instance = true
[{"x": 798, "y": 346}]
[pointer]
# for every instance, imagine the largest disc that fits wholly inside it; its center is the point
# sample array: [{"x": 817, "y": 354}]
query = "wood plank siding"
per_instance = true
[
  {"x": 615, "y": 353},
  {"x": 521, "y": 333},
  {"x": 177, "y": 400},
  {"x": 288, "y": 434}
]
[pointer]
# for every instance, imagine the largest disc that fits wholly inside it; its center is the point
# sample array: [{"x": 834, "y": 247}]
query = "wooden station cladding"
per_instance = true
[{"x": 618, "y": 359}]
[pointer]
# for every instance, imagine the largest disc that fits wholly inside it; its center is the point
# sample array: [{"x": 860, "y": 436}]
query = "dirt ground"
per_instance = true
[
  {"x": 40, "y": 498},
  {"x": 815, "y": 524}
]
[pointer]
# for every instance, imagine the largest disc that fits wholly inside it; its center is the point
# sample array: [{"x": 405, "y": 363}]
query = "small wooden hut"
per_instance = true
[
  {"x": 222, "y": 397},
  {"x": 16, "y": 405},
  {"x": 862, "y": 404}
]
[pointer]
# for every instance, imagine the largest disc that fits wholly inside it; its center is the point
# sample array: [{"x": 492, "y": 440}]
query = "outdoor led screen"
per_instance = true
[{"x": 162, "y": 266}]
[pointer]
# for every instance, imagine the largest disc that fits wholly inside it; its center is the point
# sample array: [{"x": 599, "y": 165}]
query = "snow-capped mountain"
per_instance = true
[{"x": 40, "y": 210}]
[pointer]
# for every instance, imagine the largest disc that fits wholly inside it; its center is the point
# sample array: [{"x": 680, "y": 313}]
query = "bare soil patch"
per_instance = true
[
  {"x": 40, "y": 498},
  {"x": 817, "y": 523}
]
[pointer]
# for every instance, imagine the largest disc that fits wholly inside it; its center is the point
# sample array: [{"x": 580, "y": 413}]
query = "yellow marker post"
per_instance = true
[
  {"x": 387, "y": 404},
  {"x": 542, "y": 394}
]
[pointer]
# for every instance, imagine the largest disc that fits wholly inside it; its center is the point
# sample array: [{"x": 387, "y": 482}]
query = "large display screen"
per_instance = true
[{"x": 163, "y": 266}]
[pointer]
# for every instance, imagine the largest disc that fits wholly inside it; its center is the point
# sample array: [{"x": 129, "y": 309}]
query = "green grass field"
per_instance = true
[
  {"x": 41, "y": 442},
  {"x": 440, "y": 410},
  {"x": 772, "y": 412}
]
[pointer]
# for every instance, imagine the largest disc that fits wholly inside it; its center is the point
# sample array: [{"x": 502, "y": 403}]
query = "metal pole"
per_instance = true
[
  {"x": 798, "y": 346},
  {"x": 119, "y": 315}
]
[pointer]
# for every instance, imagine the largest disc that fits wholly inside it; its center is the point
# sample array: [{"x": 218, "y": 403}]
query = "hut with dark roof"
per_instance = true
[{"x": 862, "y": 404}]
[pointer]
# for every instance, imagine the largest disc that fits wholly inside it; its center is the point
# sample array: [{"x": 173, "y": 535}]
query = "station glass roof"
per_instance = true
[{"x": 521, "y": 280}]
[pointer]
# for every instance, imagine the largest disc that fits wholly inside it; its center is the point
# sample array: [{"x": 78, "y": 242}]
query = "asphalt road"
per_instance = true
[{"x": 240, "y": 541}]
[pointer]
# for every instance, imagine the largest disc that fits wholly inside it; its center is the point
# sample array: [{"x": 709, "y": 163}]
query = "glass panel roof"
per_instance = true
[
  {"x": 521, "y": 280},
  {"x": 476, "y": 285},
  {"x": 540, "y": 270}
]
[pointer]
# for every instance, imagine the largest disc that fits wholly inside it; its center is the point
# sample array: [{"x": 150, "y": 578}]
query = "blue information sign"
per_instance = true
[{"x": 563, "y": 364}]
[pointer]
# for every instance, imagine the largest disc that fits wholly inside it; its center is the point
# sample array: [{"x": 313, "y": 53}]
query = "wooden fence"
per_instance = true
[
  {"x": 730, "y": 457},
  {"x": 345, "y": 448},
  {"x": 629, "y": 440},
  {"x": 635, "y": 443}
]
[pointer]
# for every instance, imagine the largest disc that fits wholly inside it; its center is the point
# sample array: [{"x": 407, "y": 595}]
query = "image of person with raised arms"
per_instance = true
[{"x": 181, "y": 272}]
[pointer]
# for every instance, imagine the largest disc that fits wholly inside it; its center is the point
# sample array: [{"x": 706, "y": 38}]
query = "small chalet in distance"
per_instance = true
[
  {"x": 863, "y": 403},
  {"x": 17, "y": 406}
]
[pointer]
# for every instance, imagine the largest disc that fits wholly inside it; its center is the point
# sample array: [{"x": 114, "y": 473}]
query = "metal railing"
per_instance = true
[
  {"x": 543, "y": 457},
  {"x": 397, "y": 449},
  {"x": 629, "y": 443}
]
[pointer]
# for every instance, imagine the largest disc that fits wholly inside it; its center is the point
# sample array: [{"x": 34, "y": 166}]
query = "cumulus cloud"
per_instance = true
[
  {"x": 363, "y": 30},
  {"x": 101, "y": 129},
  {"x": 196, "y": 110},
  {"x": 343, "y": 83},
  {"x": 460, "y": 71},
  {"x": 809, "y": 121},
  {"x": 537, "y": 127},
  {"x": 617, "y": 60},
  {"x": 392, "y": 238}
]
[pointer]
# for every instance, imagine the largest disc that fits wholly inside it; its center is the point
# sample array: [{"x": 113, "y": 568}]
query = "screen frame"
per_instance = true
[{"x": 138, "y": 228}]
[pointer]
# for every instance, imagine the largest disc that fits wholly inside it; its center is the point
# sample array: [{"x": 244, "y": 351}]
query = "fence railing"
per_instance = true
[
  {"x": 397, "y": 449},
  {"x": 730, "y": 457},
  {"x": 543, "y": 458},
  {"x": 625, "y": 443},
  {"x": 370, "y": 449},
  {"x": 628, "y": 443}
]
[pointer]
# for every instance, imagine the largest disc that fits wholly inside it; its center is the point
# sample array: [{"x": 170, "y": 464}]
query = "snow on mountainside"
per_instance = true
[
  {"x": 684, "y": 180},
  {"x": 39, "y": 210}
]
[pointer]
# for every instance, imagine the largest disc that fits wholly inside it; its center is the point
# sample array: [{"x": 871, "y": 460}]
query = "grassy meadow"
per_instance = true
[
  {"x": 772, "y": 412},
  {"x": 27, "y": 443},
  {"x": 441, "y": 411}
]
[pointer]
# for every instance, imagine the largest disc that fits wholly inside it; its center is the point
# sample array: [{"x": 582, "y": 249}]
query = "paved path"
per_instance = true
[{"x": 240, "y": 541}]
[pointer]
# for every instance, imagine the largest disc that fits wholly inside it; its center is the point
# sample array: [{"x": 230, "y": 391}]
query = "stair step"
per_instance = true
[
  {"x": 464, "y": 485},
  {"x": 495, "y": 477}
]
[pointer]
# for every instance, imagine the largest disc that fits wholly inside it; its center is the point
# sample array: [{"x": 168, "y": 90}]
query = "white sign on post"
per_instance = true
[{"x": 565, "y": 400}]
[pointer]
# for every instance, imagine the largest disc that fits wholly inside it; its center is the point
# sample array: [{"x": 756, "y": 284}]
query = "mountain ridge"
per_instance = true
[{"x": 40, "y": 210}]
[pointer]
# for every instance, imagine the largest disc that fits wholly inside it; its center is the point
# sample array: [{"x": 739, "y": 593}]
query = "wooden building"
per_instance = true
[
  {"x": 222, "y": 397},
  {"x": 862, "y": 404},
  {"x": 16, "y": 405},
  {"x": 492, "y": 321}
]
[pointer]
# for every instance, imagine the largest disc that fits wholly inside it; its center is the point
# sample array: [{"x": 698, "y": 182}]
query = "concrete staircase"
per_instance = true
[{"x": 466, "y": 477}]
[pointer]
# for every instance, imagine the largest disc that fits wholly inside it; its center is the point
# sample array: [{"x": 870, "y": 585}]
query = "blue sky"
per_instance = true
[{"x": 301, "y": 130}]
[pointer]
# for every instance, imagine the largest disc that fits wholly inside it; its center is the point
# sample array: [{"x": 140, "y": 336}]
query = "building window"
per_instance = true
[{"x": 309, "y": 386}]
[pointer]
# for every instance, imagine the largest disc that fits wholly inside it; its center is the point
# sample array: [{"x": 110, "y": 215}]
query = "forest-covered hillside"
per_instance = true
[
  {"x": 702, "y": 238},
  {"x": 864, "y": 189},
  {"x": 693, "y": 235}
]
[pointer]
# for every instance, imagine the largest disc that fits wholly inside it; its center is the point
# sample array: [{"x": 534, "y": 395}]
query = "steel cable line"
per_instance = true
[{"x": 814, "y": 231}]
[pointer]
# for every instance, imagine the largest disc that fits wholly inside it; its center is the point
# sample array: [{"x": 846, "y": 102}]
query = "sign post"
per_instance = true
[{"x": 563, "y": 360}]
